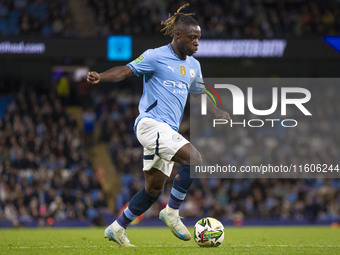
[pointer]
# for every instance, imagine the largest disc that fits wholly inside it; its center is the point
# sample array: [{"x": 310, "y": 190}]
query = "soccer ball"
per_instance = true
[{"x": 208, "y": 232}]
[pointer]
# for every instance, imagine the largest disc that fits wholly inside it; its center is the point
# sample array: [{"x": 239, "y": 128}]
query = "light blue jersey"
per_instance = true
[{"x": 167, "y": 82}]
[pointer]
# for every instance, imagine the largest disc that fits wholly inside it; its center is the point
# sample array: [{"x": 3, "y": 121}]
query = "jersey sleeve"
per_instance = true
[
  {"x": 144, "y": 64},
  {"x": 196, "y": 86}
]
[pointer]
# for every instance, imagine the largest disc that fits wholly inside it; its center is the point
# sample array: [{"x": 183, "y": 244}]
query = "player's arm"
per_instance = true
[
  {"x": 114, "y": 74},
  {"x": 196, "y": 90},
  {"x": 212, "y": 108},
  {"x": 219, "y": 113}
]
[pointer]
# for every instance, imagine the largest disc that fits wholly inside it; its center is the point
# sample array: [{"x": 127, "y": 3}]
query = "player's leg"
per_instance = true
[
  {"x": 181, "y": 184},
  {"x": 142, "y": 200},
  {"x": 187, "y": 154},
  {"x": 156, "y": 171},
  {"x": 139, "y": 203},
  {"x": 182, "y": 180}
]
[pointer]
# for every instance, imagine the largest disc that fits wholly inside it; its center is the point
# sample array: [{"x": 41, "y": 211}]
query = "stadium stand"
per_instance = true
[
  {"x": 223, "y": 19},
  {"x": 45, "y": 171},
  {"x": 43, "y": 157},
  {"x": 35, "y": 18}
]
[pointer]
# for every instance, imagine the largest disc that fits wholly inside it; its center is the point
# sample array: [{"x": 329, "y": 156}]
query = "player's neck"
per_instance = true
[{"x": 180, "y": 54}]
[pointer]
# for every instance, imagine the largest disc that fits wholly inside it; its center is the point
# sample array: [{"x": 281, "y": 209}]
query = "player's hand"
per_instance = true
[
  {"x": 93, "y": 77},
  {"x": 220, "y": 114}
]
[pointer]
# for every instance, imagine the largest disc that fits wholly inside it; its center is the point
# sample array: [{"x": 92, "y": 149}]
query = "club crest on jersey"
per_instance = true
[
  {"x": 182, "y": 68},
  {"x": 177, "y": 137},
  {"x": 192, "y": 72},
  {"x": 138, "y": 60}
]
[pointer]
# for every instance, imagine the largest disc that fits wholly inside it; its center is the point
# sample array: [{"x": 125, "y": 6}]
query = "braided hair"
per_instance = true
[{"x": 177, "y": 19}]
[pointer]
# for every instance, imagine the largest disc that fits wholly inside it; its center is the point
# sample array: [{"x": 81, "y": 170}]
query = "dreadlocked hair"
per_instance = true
[{"x": 178, "y": 18}]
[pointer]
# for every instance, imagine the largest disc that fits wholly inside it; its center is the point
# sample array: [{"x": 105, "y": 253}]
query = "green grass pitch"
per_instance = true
[{"x": 241, "y": 240}]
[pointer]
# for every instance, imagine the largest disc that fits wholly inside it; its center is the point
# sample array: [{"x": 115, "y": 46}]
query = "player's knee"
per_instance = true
[
  {"x": 154, "y": 190},
  {"x": 196, "y": 159},
  {"x": 177, "y": 177}
]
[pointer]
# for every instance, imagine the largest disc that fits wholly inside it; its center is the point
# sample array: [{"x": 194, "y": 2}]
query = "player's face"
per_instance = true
[{"x": 189, "y": 40}]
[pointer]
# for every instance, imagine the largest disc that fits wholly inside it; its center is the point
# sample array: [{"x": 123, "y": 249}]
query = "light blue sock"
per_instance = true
[{"x": 180, "y": 187}]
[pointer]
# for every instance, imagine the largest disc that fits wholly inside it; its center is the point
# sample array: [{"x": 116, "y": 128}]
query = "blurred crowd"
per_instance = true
[
  {"x": 35, "y": 18},
  {"x": 222, "y": 19},
  {"x": 218, "y": 19},
  {"x": 236, "y": 199},
  {"x": 45, "y": 174}
]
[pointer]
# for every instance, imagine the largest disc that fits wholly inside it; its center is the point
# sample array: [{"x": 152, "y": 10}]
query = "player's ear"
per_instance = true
[{"x": 177, "y": 34}]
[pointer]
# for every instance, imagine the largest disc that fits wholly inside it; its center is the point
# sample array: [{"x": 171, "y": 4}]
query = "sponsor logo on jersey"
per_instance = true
[
  {"x": 182, "y": 68},
  {"x": 172, "y": 68},
  {"x": 138, "y": 60},
  {"x": 177, "y": 137},
  {"x": 175, "y": 84},
  {"x": 192, "y": 72}
]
